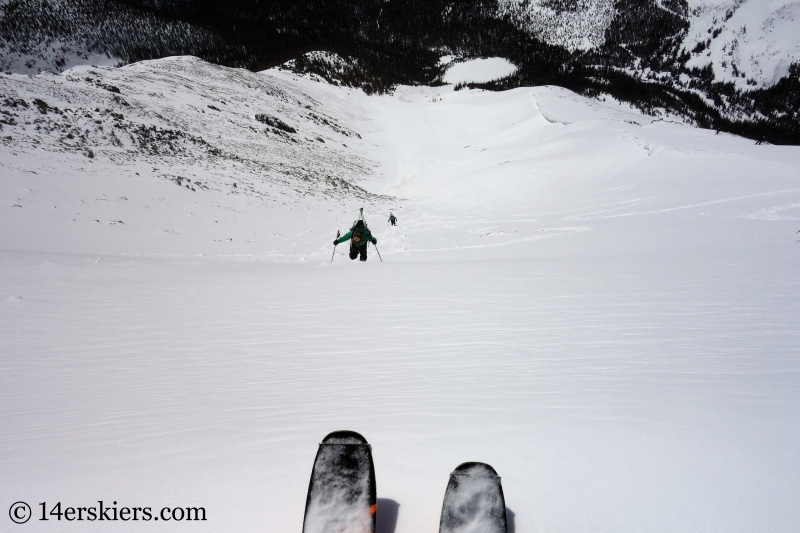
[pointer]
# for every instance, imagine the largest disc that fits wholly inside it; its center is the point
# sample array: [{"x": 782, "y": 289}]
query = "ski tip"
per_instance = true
[
  {"x": 344, "y": 437},
  {"x": 474, "y": 501},
  {"x": 475, "y": 469}
]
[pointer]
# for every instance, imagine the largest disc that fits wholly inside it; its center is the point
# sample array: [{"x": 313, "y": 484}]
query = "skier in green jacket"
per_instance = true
[{"x": 359, "y": 235}]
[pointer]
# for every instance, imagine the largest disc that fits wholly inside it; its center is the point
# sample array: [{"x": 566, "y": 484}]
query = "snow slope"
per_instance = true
[
  {"x": 176, "y": 132},
  {"x": 601, "y": 306}
]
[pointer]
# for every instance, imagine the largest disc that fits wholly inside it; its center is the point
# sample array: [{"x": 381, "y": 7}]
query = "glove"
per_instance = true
[
  {"x": 374, "y": 240},
  {"x": 336, "y": 242}
]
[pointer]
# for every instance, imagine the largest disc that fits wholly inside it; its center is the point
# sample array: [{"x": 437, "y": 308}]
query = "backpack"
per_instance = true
[{"x": 359, "y": 232}]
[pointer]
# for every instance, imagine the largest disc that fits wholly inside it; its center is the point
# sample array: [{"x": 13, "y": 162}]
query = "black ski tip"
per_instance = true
[
  {"x": 474, "y": 468},
  {"x": 474, "y": 501},
  {"x": 344, "y": 437},
  {"x": 341, "y": 493}
]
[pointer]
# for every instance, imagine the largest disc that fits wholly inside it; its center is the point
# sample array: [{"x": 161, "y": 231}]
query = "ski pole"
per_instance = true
[
  {"x": 334, "y": 246},
  {"x": 379, "y": 252}
]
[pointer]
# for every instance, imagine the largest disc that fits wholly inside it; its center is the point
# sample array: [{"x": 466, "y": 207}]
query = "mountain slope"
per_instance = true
[
  {"x": 747, "y": 43},
  {"x": 601, "y": 304},
  {"x": 653, "y": 54},
  {"x": 183, "y": 127}
]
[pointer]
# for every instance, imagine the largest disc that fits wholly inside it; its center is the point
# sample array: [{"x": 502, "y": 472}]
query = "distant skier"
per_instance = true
[
  {"x": 392, "y": 219},
  {"x": 761, "y": 140},
  {"x": 359, "y": 235}
]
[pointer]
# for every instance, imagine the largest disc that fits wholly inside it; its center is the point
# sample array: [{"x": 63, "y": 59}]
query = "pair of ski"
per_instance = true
[{"x": 342, "y": 496}]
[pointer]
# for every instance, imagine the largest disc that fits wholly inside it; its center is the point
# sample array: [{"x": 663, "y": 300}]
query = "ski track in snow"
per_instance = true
[{"x": 169, "y": 346}]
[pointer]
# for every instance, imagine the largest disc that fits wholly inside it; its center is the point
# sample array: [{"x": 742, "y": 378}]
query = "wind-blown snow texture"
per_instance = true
[{"x": 601, "y": 306}]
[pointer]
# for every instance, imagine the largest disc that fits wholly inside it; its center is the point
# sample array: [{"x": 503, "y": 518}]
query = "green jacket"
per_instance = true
[{"x": 360, "y": 236}]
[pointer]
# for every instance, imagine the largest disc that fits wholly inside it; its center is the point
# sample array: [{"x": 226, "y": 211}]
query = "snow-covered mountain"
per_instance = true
[
  {"x": 599, "y": 303},
  {"x": 578, "y": 25},
  {"x": 722, "y": 64},
  {"x": 751, "y": 43}
]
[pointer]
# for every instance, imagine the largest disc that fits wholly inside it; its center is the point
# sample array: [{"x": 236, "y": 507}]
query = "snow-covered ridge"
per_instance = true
[
  {"x": 580, "y": 28},
  {"x": 182, "y": 107},
  {"x": 235, "y": 135}
]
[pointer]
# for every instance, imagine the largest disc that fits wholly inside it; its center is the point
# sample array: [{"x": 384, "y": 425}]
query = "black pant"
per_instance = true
[{"x": 355, "y": 251}]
